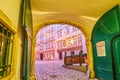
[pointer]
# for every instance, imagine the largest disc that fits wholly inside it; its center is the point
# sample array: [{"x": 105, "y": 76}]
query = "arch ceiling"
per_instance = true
[{"x": 82, "y": 11}]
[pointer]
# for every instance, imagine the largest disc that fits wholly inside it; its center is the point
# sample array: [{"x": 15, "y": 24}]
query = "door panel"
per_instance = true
[
  {"x": 105, "y": 29},
  {"x": 116, "y": 54}
]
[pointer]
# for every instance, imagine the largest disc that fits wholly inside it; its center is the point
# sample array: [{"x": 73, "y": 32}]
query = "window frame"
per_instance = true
[{"x": 6, "y": 60}]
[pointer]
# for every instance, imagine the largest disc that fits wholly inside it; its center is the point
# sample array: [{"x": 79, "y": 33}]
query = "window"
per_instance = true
[
  {"x": 48, "y": 45},
  {"x": 67, "y": 30},
  {"x": 74, "y": 29},
  {"x": 52, "y": 35},
  {"x": 59, "y": 44},
  {"x": 79, "y": 40},
  {"x": 68, "y": 42},
  {"x": 41, "y": 47},
  {"x": 51, "y": 45},
  {"x": 45, "y": 46},
  {"x": 64, "y": 43},
  {"x": 59, "y": 34},
  {"x": 6, "y": 49},
  {"x": 75, "y": 40}
]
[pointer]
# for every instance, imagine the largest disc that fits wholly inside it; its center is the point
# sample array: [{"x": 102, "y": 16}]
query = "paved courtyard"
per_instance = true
[{"x": 53, "y": 70}]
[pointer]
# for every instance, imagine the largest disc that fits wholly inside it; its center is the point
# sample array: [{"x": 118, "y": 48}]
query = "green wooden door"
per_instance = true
[
  {"x": 116, "y": 56},
  {"x": 103, "y": 33}
]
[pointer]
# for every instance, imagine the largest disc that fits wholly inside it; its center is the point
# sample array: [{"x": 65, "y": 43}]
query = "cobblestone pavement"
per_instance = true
[{"x": 53, "y": 70}]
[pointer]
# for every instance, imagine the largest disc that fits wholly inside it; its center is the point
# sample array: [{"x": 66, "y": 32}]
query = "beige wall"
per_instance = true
[{"x": 11, "y": 9}]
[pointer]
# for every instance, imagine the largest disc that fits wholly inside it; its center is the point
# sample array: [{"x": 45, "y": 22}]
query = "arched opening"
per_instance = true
[{"x": 61, "y": 42}]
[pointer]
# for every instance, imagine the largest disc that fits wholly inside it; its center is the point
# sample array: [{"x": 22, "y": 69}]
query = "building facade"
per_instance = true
[
  {"x": 70, "y": 40},
  {"x": 46, "y": 43},
  {"x": 54, "y": 41}
]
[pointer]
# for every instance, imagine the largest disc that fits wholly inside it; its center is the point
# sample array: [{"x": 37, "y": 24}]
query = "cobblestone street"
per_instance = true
[{"x": 53, "y": 70}]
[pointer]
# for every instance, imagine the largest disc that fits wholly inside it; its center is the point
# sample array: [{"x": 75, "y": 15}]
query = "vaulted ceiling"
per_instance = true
[{"x": 85, "y": 12}]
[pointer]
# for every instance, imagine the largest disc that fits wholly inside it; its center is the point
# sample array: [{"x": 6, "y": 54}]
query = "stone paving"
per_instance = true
[{"x": 53, "y": 70}]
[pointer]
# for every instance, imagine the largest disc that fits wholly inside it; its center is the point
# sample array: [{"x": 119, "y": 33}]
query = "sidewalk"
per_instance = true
[
  {"x": 77, "y": 67},
  {"x": 53, "y": 70}
]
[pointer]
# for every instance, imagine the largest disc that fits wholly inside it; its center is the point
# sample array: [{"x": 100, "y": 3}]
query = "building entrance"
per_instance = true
[
  {"x": 41, "y": 56},
  {"x": 116, "y": 56},
  {"x": 60, "y": 55},
  {"x": 106, "y": 45}
]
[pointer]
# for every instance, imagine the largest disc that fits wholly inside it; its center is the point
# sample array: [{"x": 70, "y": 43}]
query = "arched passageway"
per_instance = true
[
  {"x": 39, "y": 27},
  {"x": 56, "y": 39},
  {"x": 61, "y": 44}
]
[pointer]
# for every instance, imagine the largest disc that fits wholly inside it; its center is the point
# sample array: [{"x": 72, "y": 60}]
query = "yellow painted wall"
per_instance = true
[
  {"x": 11, "y": 9},
  {"x": 10, "y": 16}
]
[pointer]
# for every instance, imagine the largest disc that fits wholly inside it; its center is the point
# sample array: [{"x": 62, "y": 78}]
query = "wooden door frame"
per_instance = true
[{"x": 112, "y": 55}]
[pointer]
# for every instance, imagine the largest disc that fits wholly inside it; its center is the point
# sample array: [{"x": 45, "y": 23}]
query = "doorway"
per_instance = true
[
  {"x": 60, "y": 55},
  {"x": 106, "y": 46},
  {"x": 41, "y": 56},
  {"x": 115, "y": 48}
]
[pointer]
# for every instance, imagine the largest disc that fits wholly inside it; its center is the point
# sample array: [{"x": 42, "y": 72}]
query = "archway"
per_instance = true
[
  {"x": 105, "y": 45},
  {"x": 82, "y": 28}
]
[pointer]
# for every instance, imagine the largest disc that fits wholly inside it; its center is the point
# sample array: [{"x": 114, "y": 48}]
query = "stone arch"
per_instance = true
[
  {"x": 83, "y": 29},
  {"x": 40, "y": 26}
]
